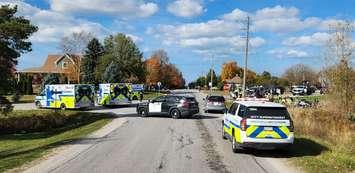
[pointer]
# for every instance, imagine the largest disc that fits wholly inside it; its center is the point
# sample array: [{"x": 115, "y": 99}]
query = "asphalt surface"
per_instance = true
[{"x": 162, "y": 144}]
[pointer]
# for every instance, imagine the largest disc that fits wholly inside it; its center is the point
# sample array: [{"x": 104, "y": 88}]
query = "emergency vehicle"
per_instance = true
[
  {"x": 137, "y": 91},
  {"x": 66, "y": 96},
  {"x": 258, "y": 124},
  {"x": 111, "y": 94}
]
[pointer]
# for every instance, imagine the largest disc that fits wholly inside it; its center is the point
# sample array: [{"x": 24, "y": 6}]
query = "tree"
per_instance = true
[
  {"x": 121, "y": 50},
  {"x": 91, "y": 60},
  {"x": 160, "y": 69},
  {"x": 75, "y": 43},
  {"x": 14, "y": 32},
  {"x": 298, "y": 73},
  {"x": 49, "y": 79},
  {"x": 229, "y": 70},
  {"x": 113, "y": 73},
  {"x": 339, "y": 73},
  {"x": 153, "y": 67},
  {"x": 214, "y": 78}
]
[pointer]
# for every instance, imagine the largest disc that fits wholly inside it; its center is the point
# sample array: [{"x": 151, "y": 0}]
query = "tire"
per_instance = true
[
  {"x": 142, "y": 112},
  {"x": 175, "y": 114},
  {"x": 235, "y": 147},
  {"x": 38, "y": 105},
  {"x": 223, "y": 132},
  {"x": 63, "y": 107}
]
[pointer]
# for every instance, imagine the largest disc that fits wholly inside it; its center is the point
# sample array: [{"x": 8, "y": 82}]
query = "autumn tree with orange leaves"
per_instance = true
[
  {"x": 229, "y": 70},
  {"x": 160, "y": 70}
]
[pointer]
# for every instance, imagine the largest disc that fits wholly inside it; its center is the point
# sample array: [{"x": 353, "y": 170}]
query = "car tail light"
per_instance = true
[
  {"x": 243, "y": 124},
  {"x": 184, "y": 104}
]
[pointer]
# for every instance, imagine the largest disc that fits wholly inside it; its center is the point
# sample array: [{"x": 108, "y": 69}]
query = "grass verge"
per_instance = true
[
  {"x": 23, "y": 98},
  {"x": 151, "y": 95},
  {"x": 20, "y": 148},
  {"x": 332, "y": 141}
]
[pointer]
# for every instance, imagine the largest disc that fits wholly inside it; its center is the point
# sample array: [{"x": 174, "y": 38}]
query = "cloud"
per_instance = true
[
  {"x": 185, "y": 8},
  {"x": 288, "y": 53},
  {"x": 54, "y": 25},
  {"x": 124, "y": 8},
  {"x": 316, "y": 39},
  {"x": 135, "y": 38}
]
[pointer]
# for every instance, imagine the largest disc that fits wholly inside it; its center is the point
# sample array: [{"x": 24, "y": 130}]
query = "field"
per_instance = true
[{"x": 19, "y": 146}]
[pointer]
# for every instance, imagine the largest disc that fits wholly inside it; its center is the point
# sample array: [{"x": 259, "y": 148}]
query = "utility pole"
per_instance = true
[
  {"x": 211, "y": 72},
  {"x": 246, "y": 57}
]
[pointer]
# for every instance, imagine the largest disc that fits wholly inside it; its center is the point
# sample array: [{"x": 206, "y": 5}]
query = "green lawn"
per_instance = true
[
  {"x": 318, "y": 156},
  {"x": 21, "y": 148},
  {"x": 151, "y": 95},
  {"x": 23, "y": 98}
]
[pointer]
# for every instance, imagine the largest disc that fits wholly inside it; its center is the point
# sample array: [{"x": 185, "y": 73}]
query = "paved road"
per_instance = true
[{"x": 161, "y": 144}]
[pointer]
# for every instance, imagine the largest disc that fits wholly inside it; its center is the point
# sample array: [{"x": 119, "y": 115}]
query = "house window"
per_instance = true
[{"x": 64, "y": 65}]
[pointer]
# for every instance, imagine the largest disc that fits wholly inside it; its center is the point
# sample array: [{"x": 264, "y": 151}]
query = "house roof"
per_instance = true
[
  {"x": 235, "y": 80},
  {"x": 50, "y": 65}
]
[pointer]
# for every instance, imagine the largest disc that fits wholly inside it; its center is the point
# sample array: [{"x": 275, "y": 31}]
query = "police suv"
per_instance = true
[
  {"x": 175, "y": 106},
  {"x": 258, "y": 124}
]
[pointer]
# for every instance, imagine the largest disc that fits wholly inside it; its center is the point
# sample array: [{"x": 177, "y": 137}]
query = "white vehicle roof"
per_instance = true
[{"x": 260, "y": 104}]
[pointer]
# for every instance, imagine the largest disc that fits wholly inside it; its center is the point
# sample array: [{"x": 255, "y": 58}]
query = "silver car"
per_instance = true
[{"x": 214, "y": 103}]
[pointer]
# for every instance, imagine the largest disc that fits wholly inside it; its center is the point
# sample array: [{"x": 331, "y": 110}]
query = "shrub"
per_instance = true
[
  {"x": 324, "y": 124},
  {"x": 37, "y": 121},
  {"x": 5, "y": 106}
]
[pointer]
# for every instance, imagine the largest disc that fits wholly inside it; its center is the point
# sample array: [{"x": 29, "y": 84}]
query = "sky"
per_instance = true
[{"x": 196, "y": 34}]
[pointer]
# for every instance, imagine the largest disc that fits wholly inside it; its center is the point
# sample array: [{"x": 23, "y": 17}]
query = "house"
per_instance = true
[
  {"x": 67, "y": 66},
  {"x": 230, "y": 84}
]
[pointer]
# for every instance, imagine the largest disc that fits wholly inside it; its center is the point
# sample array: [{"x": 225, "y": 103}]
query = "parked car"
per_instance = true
[
  {"x": 214, "y": 103},
  {"x": 176, "y": 106},
  {"x": 258, "y": 124},
  {"x": 298, "y": 90}
]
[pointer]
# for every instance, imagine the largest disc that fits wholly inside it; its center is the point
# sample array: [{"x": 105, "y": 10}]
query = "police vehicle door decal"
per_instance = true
[{"x": 155, "y": 107}]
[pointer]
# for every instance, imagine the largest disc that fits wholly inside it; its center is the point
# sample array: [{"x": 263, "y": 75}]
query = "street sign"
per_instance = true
[{"x": 210, "y": 84}]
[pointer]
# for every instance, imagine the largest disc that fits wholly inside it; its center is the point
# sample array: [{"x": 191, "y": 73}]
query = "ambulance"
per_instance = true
[
  {"x": 258, "y": 124},
  {"x": 66, "y": 96},
  {"x": 137, "y": 91},
  {"x": 111, "y": 94}
]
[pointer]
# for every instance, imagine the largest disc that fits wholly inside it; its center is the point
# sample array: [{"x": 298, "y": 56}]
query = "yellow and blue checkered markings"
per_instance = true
[{"x": 280, "y": 132}]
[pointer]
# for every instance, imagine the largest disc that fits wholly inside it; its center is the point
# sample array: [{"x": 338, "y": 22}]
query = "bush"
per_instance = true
[
  {"x": 37, "y": 121},
  {"x": 323, "y": 124},
  {"x": 5, "y": 106},
  {"x": 16, "y": 97}
]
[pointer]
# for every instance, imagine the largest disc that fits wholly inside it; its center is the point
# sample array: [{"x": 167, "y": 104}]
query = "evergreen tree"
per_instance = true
[
  {"x": 50, "y": 79},
  {"x": 90, "y": 62},
  {"x": 121, "y": 50},
  {"x": 14, "y": 32},
  {"x": 113, "y": 73}
]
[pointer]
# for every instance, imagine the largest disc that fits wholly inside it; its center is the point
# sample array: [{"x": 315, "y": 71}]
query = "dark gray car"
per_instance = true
[{"x": 170, "y": 105}]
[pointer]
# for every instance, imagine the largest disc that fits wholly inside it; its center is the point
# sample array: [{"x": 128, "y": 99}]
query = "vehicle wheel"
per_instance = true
[
  {"x": 175, "y": 114},
  {"x": 235, "y": 146},
  {"x": 142, "y": 112},
  {"x": 63, "y": 107},
  {"x": 38, "y": 105},
  {"x": 223, "y": 132}
]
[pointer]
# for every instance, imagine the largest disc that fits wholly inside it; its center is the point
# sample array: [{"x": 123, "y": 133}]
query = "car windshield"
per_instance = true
[
  {"x": 267, "y": 113},
  {"x": 216, "y": 99}
]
